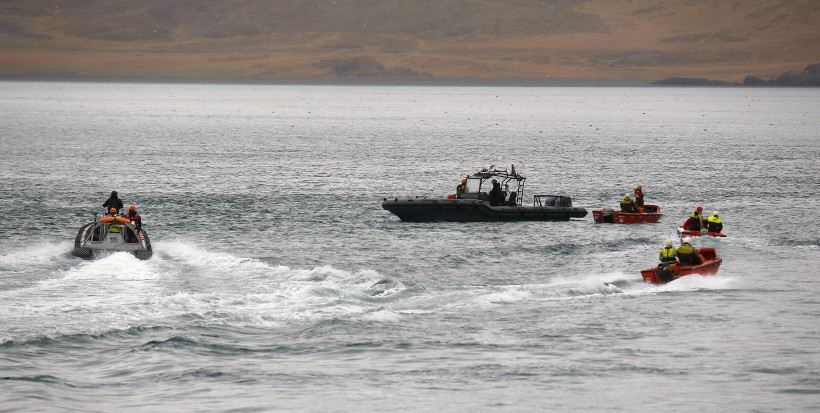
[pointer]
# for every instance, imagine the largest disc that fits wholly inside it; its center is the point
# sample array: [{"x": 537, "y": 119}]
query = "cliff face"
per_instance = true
[{"x": 649, "y": 39}]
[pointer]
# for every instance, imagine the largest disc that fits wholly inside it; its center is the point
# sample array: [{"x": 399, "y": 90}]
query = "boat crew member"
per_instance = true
[
  {"x": 111, "y": 226},
  {"x": 627, "y": 204},
  {"x": 461, "y": 188},
  {"x": 134, "y": 217},
  {"x": 668, "y": 253},
  {"x": 696, "y": 220},
  {"x": 639, "y": 196},
  {"x": 113, "y": 202},
  {"x": 714, "y": 223},
  {"x": 687, "y": 254},
  {"x": 513, "y": 199},
  {"x": 137, "y": 221},
  {"x": 496, "y": 194}
]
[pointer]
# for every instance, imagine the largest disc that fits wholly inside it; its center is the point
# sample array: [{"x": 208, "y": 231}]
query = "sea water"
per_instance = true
[{"x": 278, "y": 283}]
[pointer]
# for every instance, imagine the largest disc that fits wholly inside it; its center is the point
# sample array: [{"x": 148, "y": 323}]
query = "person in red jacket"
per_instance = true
[
  {"x": 137, "y": 221},
  {"x": 134, "y": 217},
  {"x": 639, "y": 196}
]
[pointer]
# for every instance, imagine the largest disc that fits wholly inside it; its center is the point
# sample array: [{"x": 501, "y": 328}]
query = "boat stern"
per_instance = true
[{"x": 117, "y": 234}]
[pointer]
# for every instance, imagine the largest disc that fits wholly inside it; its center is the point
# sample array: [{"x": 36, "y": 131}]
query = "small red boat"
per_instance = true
[
  {"x": 664, "y": 273},
  {"x": 647, "y": 213},
  {"x": 683, "y": 230}
]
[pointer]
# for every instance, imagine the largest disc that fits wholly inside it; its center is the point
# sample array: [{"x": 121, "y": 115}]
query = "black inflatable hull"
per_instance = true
[{"x": 473, "y": 210}]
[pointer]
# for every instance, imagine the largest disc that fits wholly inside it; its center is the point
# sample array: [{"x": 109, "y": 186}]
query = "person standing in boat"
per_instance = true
[
  {"x": 687, "y": 254},
  {"x": 137, "y": 221},
  {"x": 113, "y": 202},
  {"x": 134, "y": 217},
  {"x": 668, "y": 253},
  {"x": 639, "y": 196},
  {"x": 714, "y": 223},
  {"x": 461, "y": 188},
  {"x": 627, "y": 204},
  {"x": 496, "y": 194},
  {"x": 696, "y": 220}
]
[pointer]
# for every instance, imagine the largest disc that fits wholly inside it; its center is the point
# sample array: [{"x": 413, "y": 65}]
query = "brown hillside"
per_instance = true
[{"x": 301, "y": 39}]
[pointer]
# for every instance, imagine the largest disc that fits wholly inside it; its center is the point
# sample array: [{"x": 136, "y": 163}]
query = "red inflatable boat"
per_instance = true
[
  {"x": 684, "y": 230},
  {"x": 648, "y": 213},
  {"x": 664, "y": 273}
]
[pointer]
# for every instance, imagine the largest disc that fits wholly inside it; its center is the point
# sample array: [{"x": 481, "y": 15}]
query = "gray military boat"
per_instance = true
[
  {"x": 112, "y": 233},
  {"x": 474, "y": 204}
]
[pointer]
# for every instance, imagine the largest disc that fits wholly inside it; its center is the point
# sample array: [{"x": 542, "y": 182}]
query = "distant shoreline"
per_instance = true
[
  {"x": 346, "y": 81},
  {"x": 398, "y": 81}
]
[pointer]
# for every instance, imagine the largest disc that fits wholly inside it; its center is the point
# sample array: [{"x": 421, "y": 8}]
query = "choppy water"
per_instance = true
[{"x": 279, "y": 283}]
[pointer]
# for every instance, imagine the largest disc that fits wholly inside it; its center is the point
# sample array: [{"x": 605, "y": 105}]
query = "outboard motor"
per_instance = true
[
  {"x": 608, "y": 215},
  {"x": 665, "y": 272}
]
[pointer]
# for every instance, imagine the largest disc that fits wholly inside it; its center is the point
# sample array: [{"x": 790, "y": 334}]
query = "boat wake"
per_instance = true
[
  {"x": 574, "y": 288},
  {"x": 35, "y": 255},
  {"x": 56, "y": 294},
  {"x": 700, "y": 283},
  {"x": 184, "y": 285}
]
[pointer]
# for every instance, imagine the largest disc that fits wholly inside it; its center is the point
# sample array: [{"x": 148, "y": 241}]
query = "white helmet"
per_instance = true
[
  {"x": 714, "y": 213},
  {"x": 687, "y": 240},
  {"x": 669, "y": 243},
  {"x": 626, "y": 195}
]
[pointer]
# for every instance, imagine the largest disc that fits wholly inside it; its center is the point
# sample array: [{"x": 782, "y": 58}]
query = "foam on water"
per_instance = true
[
  {"x": 583, "y": 287},
  {"x": 116, "y": 291},
  {"x": 702, "y": 282},
  {"x": 34, "y": 255},
  {"x": 383, "y": 316}
]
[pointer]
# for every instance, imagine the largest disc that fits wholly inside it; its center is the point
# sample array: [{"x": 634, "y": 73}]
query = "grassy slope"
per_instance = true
[{"x": 608, "y": 39}]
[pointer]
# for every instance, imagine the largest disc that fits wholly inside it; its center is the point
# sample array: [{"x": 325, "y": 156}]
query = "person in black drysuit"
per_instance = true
[
  {"x": 513, "y": 199},
  {"x": 113, "y": 202},
  {"x": 496, "y": 194}
]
